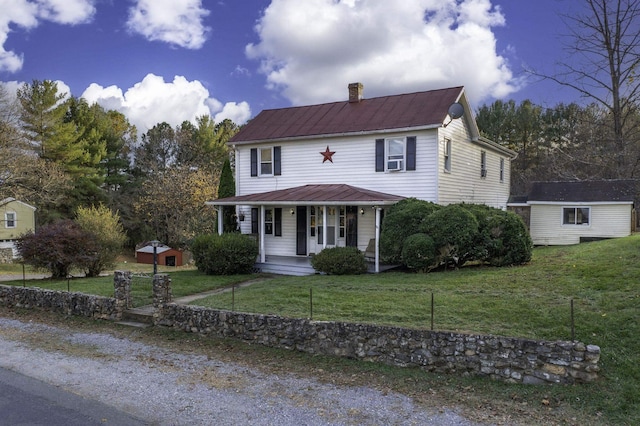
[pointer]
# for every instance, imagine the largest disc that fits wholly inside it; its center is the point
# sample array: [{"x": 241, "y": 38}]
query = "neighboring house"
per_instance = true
[
  {"x": 16, "y": 219},
  {"x": 166, "y": 255},
  {"x": 561, "y": 213},
  {"x": 321, "y": 176}
]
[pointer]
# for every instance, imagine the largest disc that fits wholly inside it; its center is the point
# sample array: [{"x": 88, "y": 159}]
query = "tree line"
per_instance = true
[
  {"x": 62, "y": 154},
  {"x": 565, "y": 143}
]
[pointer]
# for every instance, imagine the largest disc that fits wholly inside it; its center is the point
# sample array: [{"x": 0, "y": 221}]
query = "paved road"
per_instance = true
[{"x": 27, "y": 401}]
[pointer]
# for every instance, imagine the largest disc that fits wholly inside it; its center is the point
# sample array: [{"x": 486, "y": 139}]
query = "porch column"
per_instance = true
[
  {"x": 220, "y": 221},
  {"x": 263, "y": 257},
  {"x": 377, "y": 260},
  {"x": 324, "y": 227}
]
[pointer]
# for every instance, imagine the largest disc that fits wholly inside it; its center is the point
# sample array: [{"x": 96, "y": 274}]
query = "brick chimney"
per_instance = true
[{"x": 355, "y": 92}]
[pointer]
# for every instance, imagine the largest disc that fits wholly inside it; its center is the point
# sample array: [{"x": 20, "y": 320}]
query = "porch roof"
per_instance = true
[{"x": 325, "y": 194}]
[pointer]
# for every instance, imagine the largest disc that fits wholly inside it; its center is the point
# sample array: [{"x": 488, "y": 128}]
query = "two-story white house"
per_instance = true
[{"x": 321, "y": 176}]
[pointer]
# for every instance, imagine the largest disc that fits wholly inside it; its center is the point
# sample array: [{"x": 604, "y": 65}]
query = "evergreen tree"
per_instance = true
[{"x": 227, "y": 188}]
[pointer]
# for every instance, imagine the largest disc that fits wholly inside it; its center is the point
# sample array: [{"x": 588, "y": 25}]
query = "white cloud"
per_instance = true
[
  {"x": 312, "y": 53},
  {"x": 67, "y": 11},
  {"x": 154, "y": 101},
  {"x": 174, "y": 22},
  {"x": 27, "y": 14}
]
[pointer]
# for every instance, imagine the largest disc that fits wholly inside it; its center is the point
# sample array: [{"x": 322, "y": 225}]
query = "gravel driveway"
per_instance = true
[{"x": 167, "y": 387}]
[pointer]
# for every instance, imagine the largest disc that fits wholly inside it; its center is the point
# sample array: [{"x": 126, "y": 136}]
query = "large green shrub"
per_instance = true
[
  {"x": 511, "y": 243},
  {"x": 340, "y": 261},
  {"x": 503, "y": 236},
  {"x": 403, "y": 219},
  {"x": 454, "y": 231},
  {"x": 225, "y": 254},
  {"x": 419, "y": 252}
]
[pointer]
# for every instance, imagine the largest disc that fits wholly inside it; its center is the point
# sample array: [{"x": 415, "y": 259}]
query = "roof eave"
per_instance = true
[
  {"x": 217, "y": 203},
  {"x": 337, "y": 135},
  {"x": 495, "y": 146}
]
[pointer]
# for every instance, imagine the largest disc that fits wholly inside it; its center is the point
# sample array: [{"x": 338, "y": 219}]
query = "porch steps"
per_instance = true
[{"x": 285, "y": 266}]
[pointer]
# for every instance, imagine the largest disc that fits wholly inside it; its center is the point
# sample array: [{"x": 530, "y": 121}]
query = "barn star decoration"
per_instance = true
[{"x": 327, "y": 154}]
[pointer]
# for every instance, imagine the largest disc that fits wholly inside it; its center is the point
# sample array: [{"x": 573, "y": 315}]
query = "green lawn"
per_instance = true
[{"x": 602, "y": 278}]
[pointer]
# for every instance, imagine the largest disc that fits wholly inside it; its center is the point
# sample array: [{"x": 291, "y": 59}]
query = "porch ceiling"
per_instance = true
[{"x": 326, "y": 194}]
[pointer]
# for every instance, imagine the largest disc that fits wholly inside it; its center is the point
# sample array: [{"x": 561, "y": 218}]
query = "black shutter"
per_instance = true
[
  {"x": 277, "y": 222},
  {"x": 276, "y": 161},
  {"x": 411, "y": 153},
  {"x": 254, "y": 162},
  {"x": 379, "y": 155},
  {"x": 254, "y": 220}
]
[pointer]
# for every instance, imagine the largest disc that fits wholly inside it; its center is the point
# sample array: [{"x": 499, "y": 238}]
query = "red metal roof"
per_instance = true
[
  {"x": 421, "y": 109},
  {"x": 331, "y": 194}
]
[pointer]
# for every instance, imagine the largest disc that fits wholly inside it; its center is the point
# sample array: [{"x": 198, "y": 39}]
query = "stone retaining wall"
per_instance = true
[
  {"x": 67, "y": 303},
  {"x": 502, "y": 358},
  {"x": 63, "y": 302}
]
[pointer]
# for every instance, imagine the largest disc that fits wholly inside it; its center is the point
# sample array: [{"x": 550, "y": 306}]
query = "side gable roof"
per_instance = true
[
  {"x": 11, "y": 199},
  {"x": 584, "y": 191},
  {"x": 412, "y": 110}
]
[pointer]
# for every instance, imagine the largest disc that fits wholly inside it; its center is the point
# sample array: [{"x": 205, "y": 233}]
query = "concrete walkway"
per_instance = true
[{"x": 188, "y": 299}]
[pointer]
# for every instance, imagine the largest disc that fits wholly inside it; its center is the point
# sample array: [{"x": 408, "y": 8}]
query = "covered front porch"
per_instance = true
[
  {"x": 293, "y": 224},
  {"x": 301, "y": 266}
]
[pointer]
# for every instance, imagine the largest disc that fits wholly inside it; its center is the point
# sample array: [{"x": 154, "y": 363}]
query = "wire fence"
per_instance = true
[{"x": 570, "y": 311}]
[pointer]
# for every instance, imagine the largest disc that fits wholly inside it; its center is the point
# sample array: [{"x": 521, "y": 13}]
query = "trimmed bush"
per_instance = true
[
  {"x": 225, "y": 254},
  {"x": 403, "y": 219},
  {"x": 419, "y": 252},
  {"x": 340, "y": 261},
  {"x": 511, "y": 243},
  {"x": 503, "y": 236},
  {"x": 454, "y": 231}
]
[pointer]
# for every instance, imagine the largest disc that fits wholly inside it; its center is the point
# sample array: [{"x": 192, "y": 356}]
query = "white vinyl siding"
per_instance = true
[
  {"x": 606, "y": 221},
  {"x": 286, "y": 245},
  {"x": 463, "y": 182},
  {"x": 353, "y": 164}
]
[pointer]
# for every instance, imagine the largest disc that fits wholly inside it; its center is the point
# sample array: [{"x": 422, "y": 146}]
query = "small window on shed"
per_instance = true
[{"x": 576, "y": 215}]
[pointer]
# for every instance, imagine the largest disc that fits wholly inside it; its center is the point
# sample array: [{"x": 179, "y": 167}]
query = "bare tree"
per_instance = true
[{"x": 604, "y": 57}]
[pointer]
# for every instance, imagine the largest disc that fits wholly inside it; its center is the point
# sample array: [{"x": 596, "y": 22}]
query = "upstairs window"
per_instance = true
[
  {"x": 502, "y": 170},
  {"x": 576, "y": 215},
  {"x": 447, "y": 155},
  {"x": 10, "y": 220},
  {"x": 265, "y": 161},
  {"x": 483, "y": 164},
  {"x": 396, "y": 154}
]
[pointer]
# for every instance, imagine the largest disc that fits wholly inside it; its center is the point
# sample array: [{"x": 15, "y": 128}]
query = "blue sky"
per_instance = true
[{"x": 173, "y": 60}]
